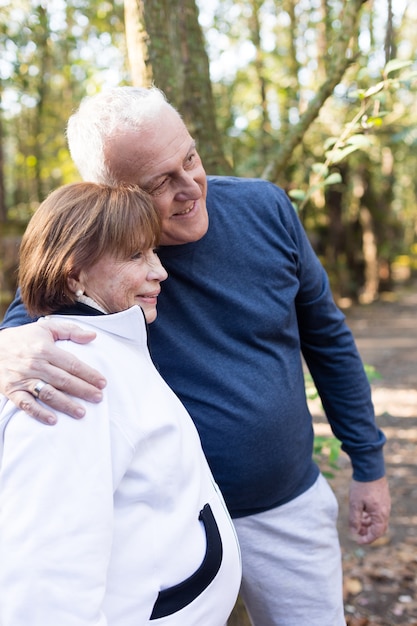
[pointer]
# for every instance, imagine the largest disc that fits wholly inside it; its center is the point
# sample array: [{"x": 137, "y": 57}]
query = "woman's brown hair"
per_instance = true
[{"x": 72, "y": 229}]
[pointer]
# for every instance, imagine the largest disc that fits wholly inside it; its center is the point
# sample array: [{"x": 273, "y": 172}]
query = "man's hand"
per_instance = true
[
  {"x": 369, "y": 509},
  {"x": 28, "y": 355}
]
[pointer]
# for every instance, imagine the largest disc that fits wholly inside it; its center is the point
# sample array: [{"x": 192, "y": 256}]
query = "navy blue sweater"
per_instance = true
[{"x": 238, "y": 309}]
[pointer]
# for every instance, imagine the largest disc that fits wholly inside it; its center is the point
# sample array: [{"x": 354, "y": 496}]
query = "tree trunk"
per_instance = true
[
  {"x": 170, "y": 42},
  {"x": 370, "y": 255},
  {"x": 137, "y": 44},
  {"x": 3, "y": 210},
  {"x": 264, "y": 134}
]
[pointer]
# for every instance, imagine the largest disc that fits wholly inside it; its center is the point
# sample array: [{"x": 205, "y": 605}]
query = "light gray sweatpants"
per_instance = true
[{"x": 292, "y": 568}]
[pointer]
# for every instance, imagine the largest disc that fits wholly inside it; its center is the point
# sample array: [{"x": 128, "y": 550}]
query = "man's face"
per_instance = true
[{"x": 162, "y": 160}]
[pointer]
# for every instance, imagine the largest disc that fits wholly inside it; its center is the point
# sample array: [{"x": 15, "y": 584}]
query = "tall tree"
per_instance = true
[
  {"x": 137, "y": 41},
  {"x": 339, "y": 59},
  {"x": 49, "y": 64},
  {"x": 170, "y": 52},
  {"x": 3, "y": 210}
]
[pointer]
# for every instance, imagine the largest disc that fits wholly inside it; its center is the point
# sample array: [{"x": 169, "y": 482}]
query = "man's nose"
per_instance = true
[{"x": 188, "y": 188}]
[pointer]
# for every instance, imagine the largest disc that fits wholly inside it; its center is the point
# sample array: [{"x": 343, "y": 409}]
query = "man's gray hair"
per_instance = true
[{"x": 88, "y": 129}]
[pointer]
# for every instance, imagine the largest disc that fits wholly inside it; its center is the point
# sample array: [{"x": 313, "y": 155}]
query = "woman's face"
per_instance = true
[{"x": 117, "y": 284}]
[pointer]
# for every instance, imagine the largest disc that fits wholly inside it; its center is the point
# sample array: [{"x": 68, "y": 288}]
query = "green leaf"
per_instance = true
[
  {"x": 326, "y": 448},
  {"x": 357, "y": 93},
  {"x": 310, "y": 387},
  {"x": 320, "y": 168},
  {"x": 375, "y": 121},
  {"x": 372, "y": 91},
  {"x": 333, "y": 179},
  {"x": 395, "y": 64},
  {"x": 339, "y": 155},
  {"x": 360, "y": 141},
  {"x": 409, "y": 75},
  {"x": 371, "y": 373},
  {"x": 297, "y": 194},
  {"x": 330, "y": 141}
]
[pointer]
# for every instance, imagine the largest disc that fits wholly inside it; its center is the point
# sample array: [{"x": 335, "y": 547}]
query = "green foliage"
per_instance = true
[
  {"x": 326, "y": 451},
  {"x": 350, "y": 169},
  {"x": 371, "y": 373},
  {"x": 356, "y": 133},
  {"x": 310, "y": 387},
  {"x": 54, "y": 53}
]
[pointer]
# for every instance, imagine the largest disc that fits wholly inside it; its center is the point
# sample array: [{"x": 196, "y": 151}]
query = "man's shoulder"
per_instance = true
[
  {"x": 236, "y": 181},
  {"x": 236, "y": 185},
  {"x": 16, "y": 314},
  {"x": 223, "y": 190}
]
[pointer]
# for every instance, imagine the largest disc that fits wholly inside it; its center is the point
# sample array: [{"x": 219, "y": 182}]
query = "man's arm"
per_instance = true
[
  {"x": 337, "y": 370},
  {"x": 334, "y": 362},
  {"x": 28, "y": 355}
]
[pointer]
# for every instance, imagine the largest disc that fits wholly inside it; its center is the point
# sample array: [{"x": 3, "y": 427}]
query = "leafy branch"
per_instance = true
[
  {"x": 341, "y": 59},
  {"x": 355, "y": 134}
]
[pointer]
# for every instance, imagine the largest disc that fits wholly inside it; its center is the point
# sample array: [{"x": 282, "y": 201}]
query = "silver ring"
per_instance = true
[{"x": 38, "y": 388}]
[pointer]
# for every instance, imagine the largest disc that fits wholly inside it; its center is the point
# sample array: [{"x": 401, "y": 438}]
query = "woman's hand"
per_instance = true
[{"x": 28, "y": 356}]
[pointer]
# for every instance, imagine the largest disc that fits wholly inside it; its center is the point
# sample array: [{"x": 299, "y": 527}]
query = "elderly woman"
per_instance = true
[{"x": 114, "y": 519}]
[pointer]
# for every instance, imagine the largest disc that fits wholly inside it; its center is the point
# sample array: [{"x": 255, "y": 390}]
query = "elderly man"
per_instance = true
[{"x": 245, "y": 297}]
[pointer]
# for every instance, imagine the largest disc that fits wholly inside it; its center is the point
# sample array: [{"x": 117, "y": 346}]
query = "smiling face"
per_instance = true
[
  {"x": 162, "y": 159},
  {"x": 117, "y": 284}
]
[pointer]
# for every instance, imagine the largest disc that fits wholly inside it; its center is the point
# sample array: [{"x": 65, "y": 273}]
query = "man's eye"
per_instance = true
[{"x": 158, "y": 188}]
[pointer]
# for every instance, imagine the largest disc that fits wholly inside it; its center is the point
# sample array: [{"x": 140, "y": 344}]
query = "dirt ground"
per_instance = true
[{"x": 381, "y": 580}]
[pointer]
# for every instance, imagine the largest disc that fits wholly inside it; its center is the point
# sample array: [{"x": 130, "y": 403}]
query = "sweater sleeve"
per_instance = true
[
  {"x": 330, "y": 352},
  {"x": 55, "y": 519},
  {"x": 16, "y": 314}
]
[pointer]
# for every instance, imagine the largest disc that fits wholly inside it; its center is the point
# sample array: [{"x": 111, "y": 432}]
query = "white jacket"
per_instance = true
[{"x": 98, "y": 515}]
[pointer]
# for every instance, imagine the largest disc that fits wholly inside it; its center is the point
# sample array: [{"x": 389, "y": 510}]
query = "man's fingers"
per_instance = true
[
  {"x": 63, "y": 360},
  {"x": 369, "y": 509},
  {"x": 67, "y": 373},
  {"x": 369, "y": 533},
  {"x": 61, "y": 329},
  {"x": 28, "y": 403},
  {"x": 54, "y": 399},
  {"x": 64, "y": 388},
  {"x": 29, "y": 357},
  {"x": 366, "y": 527},
  {"x": 84, "y": 382}
]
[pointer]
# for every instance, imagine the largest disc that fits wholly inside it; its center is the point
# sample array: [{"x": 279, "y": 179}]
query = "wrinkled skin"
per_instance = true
[
  {"x": 369, "y": 509},
  {"x": 28, "y": 354}
]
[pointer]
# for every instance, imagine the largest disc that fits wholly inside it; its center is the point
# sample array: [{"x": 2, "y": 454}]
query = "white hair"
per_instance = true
[{"x": 97, "y": 118}]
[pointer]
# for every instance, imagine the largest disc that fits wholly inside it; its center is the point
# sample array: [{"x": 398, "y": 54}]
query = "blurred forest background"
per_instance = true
[{"x": 318, "y": 96}]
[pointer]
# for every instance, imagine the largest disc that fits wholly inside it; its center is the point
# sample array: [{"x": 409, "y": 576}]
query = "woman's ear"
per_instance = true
[
  {"x": 76, "y": 282},
  {"x": 73, "y": 284}
]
